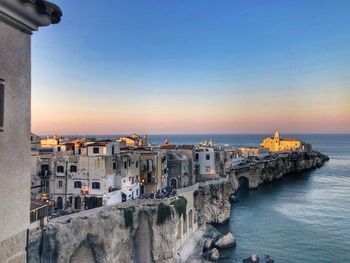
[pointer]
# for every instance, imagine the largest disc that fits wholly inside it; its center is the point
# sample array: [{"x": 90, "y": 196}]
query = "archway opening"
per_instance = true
[{"x": 173, "y": 183}]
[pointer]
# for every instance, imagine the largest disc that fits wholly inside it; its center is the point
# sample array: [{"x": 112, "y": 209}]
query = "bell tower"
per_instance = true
[{"x": 277, "y": 139}]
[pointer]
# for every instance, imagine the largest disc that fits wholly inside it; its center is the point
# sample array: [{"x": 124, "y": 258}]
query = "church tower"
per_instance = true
[{"x": 277, "y": 139}]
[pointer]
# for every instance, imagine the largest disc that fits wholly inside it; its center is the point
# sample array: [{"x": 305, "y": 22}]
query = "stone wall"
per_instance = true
[{"x": 14, "y": 143}]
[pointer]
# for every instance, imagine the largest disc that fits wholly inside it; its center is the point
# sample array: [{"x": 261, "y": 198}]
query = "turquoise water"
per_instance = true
[{"x": 301, "y": 218}]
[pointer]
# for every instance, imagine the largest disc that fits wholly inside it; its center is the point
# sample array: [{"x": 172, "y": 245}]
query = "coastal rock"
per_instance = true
[
  {"x": 233, "y": 198},
  {"x": 212, "y": 202},
  {"x": 255, "y": 259},
  {"x": 212, "y": 255},
  {"x": 252, "y": 259},
  {"x": 225, "y": 241},
  {"x": 277, "y": 166},
  {"x": 207, "y": 243}
]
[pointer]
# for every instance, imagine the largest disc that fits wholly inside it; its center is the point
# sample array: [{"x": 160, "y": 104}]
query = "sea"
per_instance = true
[{"x": 303, "y": 218}]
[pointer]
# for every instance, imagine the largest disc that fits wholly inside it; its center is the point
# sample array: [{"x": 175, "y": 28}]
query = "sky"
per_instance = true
[{"x": 199, "y": 66}]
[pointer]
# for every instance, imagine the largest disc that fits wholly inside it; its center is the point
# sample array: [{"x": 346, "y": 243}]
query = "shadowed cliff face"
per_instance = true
[
  {"x": 143, "y": 239},
  {"x": 212, "y": 202},
  {"x": 101, "y": 236}
]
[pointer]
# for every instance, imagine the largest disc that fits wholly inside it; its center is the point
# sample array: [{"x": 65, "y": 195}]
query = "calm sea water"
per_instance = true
[{"x": 303, "y": 218}]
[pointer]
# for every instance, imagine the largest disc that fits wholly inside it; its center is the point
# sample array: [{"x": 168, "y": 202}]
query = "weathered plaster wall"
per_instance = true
[{"x": 15, "y": 143}]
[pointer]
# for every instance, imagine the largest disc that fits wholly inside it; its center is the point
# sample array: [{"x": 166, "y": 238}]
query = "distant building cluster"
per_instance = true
[
  {"x": 74, "y": 174},
  {"x": 78, "y": 174}
]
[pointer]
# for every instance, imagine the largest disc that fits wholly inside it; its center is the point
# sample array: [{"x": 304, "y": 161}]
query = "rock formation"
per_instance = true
[
  {"x": 278, "y": 166},
  {"x": 212, "y": 202}
]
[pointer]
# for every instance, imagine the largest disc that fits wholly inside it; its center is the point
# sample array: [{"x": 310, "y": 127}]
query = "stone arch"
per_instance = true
[
  {"x": 190, "y": 219},
  {"x": 243, "y": 182},
  {"x": 84, "y": 253},
  {"x": 173, "y": 183}
]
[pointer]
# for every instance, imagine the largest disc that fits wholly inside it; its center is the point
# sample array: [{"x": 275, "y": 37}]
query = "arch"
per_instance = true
[
  {"x": 190, "y": 219},
  {"x": 77, "y": 202},
  {"x": 173, "y": 183},
  {"x": 84, "y": 253},
  {"x": 59, "y": 203},
  {"x": 243, "y": 182}
]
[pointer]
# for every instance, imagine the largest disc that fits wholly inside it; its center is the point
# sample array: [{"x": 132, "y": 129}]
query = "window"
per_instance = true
[
  {"x": 2, "y": 104},
  {"x": 129, "y": 162},
  {"x": 114, "y": 165},
  {"x": 137, "y": 164},
  {"x": 112, "y": 150},
  {"x": 59, "y": 148},
  {"x": 79, "y": 151},
  {"x": 95, "y": 185},
  {"x": 124, "y": 165},
  {"x": 60, "y": 184},
  {"x": 77, "y": 184},
  {"x": 207, "y": 156},
  {"x": 96, "y": 150},
  {"x": 73, "y": 169},
  {"x": 196, "y": 156},
  {"x": 60, "y": 169}
]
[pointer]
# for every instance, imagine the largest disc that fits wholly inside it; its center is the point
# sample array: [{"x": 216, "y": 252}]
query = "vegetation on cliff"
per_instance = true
[
  {"x": 128, "y": 215},
  {"x": 180, "y": 205},
  {"x": 164, "y": 213}
]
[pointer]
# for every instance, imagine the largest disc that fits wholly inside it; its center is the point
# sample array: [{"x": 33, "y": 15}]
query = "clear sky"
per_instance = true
[{"x": 198, "y": 66}]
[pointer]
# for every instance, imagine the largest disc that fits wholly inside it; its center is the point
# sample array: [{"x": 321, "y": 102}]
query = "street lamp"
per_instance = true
[{"x": 84, "y": 191}]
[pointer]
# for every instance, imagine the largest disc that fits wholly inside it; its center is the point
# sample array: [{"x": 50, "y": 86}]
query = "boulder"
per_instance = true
[
  {"x": 252, "y": 259},
  {"x": 207, "y": 243},
  {"x": 212, "y": 255},
  {"x": 268, "y": 259},
  {"x": 233, "y": 198},
  {"x": 225, "y": 241}
]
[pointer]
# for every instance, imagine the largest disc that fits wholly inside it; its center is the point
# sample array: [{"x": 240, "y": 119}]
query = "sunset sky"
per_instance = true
[{"x": 113, "y": 67}]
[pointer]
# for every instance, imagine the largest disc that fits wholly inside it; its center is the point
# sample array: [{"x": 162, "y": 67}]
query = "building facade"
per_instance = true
[
  {"x": 279, "y": 144},
  {"x": 18, "y": 19}
]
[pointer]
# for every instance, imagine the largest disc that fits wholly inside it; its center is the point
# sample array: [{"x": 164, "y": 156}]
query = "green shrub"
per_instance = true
[
  {"x": 128, "y": 215},
  {"x": 164, "y": 213},
  {"x": 180, "y": 205}
]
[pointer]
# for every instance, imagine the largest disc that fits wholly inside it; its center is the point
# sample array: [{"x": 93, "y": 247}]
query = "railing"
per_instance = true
[
  {"x": 139, "y": 202},
  {"x": 201, "y": 184}
]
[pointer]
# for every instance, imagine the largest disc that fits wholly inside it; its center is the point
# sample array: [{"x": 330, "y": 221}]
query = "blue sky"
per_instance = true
[{"x": 193, "y": 67}]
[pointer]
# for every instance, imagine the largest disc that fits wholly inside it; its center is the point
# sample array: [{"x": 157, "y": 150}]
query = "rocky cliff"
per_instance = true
[
  {"x": 276, "y": 166},
  {"x": 102, "y": 236},
  {"x": 212, "y": 201}
]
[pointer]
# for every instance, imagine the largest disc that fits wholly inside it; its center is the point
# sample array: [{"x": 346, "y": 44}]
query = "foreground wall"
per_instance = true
[{"x": 14, "y": 143}]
